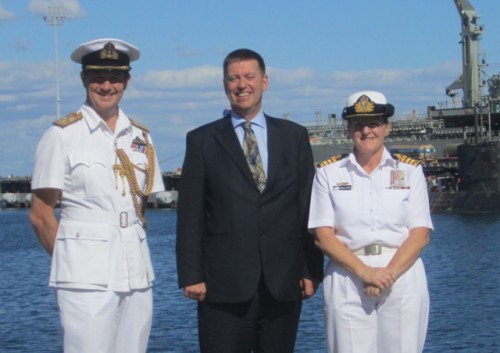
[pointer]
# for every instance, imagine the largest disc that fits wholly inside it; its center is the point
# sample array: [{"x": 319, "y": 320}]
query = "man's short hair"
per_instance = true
[{"x": 241, "y": 55}]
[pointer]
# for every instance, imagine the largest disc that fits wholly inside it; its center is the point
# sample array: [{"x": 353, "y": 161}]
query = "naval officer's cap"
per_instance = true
[
  {"x": 367, "y": 104},
  {"x": 105, "y": 54}
]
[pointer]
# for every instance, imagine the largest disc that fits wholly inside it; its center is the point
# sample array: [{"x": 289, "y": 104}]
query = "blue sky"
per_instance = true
[{"x": 317, "y": 52}]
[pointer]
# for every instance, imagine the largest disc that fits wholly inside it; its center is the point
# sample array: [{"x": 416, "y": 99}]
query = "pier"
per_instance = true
[{"x": 15, "y": 192}]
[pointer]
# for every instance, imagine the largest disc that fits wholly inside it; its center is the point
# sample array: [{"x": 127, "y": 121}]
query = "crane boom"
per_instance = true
[{"x": 471, "y": 66}]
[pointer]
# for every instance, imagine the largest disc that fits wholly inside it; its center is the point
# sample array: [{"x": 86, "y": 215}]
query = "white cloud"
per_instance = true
[
  {"x": 4, "y": 98},
  {"x": 24, "y": 76},
  {"x": 67, "y": 8},
  {"x": 5, "y": 15},
  {"x": 40, "y": 123},
  {"x": 291, "y": 77},
  {"x": 172, "y": 102},
  {"x": 201, "y": 76},
  {"x": 184, "y": 51}
]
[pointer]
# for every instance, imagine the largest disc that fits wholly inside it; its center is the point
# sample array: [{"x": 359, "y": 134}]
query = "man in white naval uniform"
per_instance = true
[{"x": 101, "y": 166}]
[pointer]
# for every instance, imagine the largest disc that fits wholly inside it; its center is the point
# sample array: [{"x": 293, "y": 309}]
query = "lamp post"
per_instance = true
[{"x": 55, "y": 17}]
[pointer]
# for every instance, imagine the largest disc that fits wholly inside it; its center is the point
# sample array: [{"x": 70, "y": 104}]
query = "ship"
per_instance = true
[
  {"x": 15, "y": 192},
  {"x": 168, "y": 198},
  {"x": 459, "y": 147}
]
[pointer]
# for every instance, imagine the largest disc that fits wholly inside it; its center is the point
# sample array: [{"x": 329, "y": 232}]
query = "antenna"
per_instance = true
[
  {"x": 319, "y": 119},
  {"x": 55, "y": 18}
]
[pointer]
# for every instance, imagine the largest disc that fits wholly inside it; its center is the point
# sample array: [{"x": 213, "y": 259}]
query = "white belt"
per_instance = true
[
  {"x": 374, "y": 249},
  {"x": 121, "y": 219}
]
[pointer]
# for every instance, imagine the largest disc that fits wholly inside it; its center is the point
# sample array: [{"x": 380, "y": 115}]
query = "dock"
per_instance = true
[{"x": 15, "y": 192}]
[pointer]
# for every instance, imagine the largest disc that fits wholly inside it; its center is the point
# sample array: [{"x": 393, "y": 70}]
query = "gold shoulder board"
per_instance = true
[
  {"x": 333, "y": 159},
  {"x": 405, "y": 159},
  {"x": 68, "y": 119},
  {"x": 136, "y": 124}
]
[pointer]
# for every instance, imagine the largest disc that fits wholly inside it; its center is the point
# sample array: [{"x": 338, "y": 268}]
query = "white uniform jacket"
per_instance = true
[
  {"x": 379, "y": 208},
  {"x": 99, "y": 244}
]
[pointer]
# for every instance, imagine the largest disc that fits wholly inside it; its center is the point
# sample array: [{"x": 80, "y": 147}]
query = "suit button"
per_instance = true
[
  {"x": 262, "y": 235},
  {"x": 261, "y": 206}
]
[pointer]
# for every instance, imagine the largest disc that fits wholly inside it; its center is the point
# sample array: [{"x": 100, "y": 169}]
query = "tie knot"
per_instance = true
[{"x": 247, "y": 125}]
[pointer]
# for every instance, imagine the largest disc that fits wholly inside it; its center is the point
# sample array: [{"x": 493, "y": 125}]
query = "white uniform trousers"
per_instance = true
[
  {"x": 104, "y": 321},
  {"x": 394, "y": 322}
]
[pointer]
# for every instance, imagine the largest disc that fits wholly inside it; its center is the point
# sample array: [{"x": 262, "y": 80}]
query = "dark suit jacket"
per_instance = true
[{"x": 229, "y": 235}]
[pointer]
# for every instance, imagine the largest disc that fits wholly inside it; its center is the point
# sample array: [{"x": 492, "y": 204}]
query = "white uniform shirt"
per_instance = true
[
  {"x": 379, "y": 208},
  {"x": 93, "y": 250}
]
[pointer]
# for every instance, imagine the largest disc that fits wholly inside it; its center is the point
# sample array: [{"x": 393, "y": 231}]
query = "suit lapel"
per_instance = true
[{"x": 275, "y": 146}]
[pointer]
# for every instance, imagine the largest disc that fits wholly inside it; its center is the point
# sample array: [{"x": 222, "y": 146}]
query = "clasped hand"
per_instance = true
[{"x": 375, "y": 279}]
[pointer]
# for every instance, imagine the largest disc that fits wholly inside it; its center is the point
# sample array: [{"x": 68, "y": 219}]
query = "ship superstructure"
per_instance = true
[
  {"x": 464, "y": 172},
  {"x": 478, "y": 119}
]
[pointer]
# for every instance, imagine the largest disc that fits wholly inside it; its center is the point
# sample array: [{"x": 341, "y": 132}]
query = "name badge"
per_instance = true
[{"x": 342, "y": 186}]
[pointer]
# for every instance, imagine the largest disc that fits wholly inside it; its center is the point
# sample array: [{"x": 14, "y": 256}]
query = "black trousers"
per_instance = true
[{"x": 261, "y": 325}]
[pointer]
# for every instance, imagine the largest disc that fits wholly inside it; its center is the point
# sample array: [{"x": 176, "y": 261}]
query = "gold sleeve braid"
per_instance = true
[{"x": 128, "y": 168}]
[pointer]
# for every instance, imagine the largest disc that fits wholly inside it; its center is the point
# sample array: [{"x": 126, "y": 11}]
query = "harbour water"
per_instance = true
[{"x": 462, "y": 265}]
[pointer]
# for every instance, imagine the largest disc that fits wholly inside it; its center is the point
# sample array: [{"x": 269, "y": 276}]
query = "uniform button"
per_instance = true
[
  {"x": 87, "y": 163},
  {"x": 77, "y": 235}
]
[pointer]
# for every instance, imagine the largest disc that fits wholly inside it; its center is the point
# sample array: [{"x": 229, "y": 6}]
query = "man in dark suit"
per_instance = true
[{"x": 243, "y": 250}]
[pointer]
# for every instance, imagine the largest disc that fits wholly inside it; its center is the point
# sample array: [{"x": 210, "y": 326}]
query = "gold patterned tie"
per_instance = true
[{"x": 251, "y": 151}]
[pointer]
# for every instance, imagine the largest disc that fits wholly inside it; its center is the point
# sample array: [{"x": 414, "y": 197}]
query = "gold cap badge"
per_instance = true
[
  {"x": 109, "y": 52},
  {"x": 364, "y": 105}
]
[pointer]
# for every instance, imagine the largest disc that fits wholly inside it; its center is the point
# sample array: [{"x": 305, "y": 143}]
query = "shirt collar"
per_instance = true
[
  {"x": 259, "y": 120},
  {"x": 94, "y": 120},
  {"x": 386, "y": 159}
]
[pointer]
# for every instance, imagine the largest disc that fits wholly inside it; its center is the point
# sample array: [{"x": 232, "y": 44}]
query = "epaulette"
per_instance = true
[
  {"x": 405, "y": 159},
  {"x": 332, "y": 159},
  {"x": 136, "y": 124},
  {"x": 68, "y": 119}
]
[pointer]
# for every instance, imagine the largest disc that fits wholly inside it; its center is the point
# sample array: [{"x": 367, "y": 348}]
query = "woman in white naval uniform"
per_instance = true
[
  {"x": 370, "y": 215},
  {"x": 101, "y": 165}
]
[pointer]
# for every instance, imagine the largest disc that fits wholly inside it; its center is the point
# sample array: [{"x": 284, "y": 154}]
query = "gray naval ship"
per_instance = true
[{"x": 459, "y": 148}]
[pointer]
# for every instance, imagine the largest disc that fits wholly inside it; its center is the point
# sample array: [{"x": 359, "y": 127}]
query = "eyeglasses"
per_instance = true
[{"x": 372, "y": 124}]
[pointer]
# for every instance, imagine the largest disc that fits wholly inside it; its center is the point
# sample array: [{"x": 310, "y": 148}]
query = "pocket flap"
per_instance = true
[
  {"x": 101, "y": 232},
  {"x": 82, "y": 159}
]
